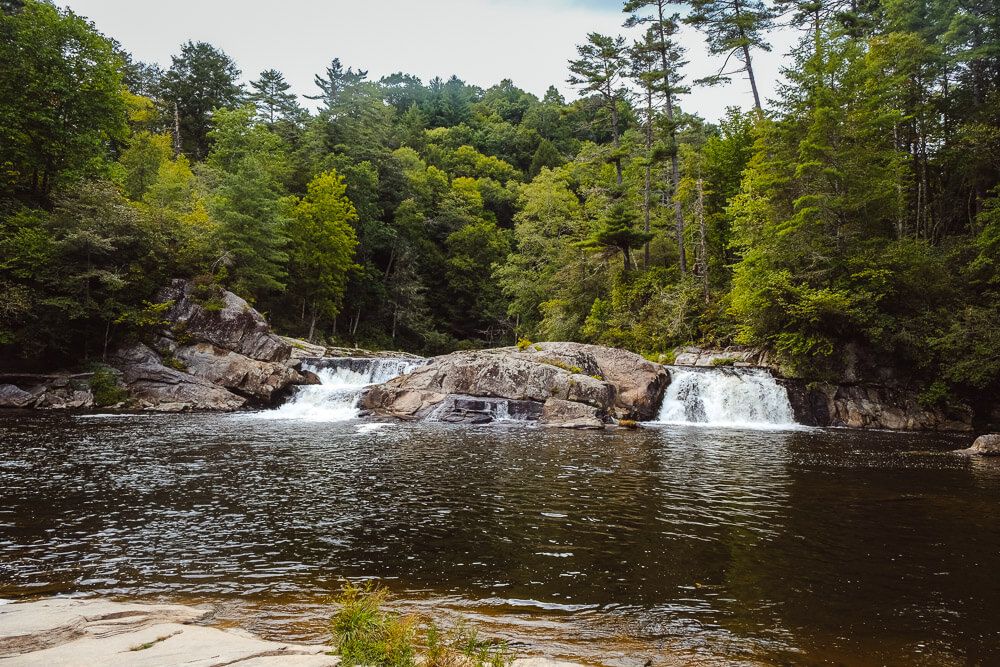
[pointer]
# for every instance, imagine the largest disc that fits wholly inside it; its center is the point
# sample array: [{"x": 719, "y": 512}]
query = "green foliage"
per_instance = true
[
  {"x": 365, "y": 633},
  {"x": 523, "y": 344},
  {"x": 105, "y": 387}
]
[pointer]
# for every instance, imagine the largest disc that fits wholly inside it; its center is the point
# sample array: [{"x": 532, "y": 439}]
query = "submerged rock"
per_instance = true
[{"x": 559, "y": 384}]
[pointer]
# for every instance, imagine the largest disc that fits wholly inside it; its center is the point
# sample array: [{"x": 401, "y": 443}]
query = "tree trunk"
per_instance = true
[
  {"x": 614, "y": 133},
  {"x": 675, "y": 171},
  {"x": 703, "y": 259},
  {"x": 312, "y": 322},
  {"x": 648, "y": 183}
]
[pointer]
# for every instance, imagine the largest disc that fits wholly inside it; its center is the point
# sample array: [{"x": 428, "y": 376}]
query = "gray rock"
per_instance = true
[
  {"x": 12, "y": 396},
  {"x": 458, "y": 409},
  {"x": 64, "y": 632},
  {"x": 494, "y": 374},
  {"x": 235, "y": 326},
  {"x": 153, "y": 386},
  {"x": 568, "y": 414},
  {"x": 261, "y": 381},
  {"x": 303, "y": 349},
  {"x": 871, "y": 407},
  {"x": 590, "y": 385},
  {"x": 639, "y": 383},
  {"x": 985, "y": 445}
]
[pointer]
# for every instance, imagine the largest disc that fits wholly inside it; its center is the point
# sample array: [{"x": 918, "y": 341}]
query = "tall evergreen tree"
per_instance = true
[
  {"x": 599, "y": 70},
  {"x": 201, "y": 78},
  {"x": 269, "y": 93},
  {"x": 733, "y": 28}
]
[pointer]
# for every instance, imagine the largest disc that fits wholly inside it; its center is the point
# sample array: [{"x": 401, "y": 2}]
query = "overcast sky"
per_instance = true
[{"x": 483, "y": 42}]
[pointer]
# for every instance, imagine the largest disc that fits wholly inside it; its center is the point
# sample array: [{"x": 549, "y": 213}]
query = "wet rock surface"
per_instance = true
[{"x": 592, "y": 384}]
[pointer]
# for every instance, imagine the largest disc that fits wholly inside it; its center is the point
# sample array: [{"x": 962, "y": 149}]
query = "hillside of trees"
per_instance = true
[{"x": 856, "y": 215}]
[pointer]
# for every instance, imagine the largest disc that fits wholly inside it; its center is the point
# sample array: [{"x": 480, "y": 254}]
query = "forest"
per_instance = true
[{"x": 857, "y": 215}]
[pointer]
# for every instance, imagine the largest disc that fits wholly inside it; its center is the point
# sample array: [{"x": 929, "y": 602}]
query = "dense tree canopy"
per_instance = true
[{"x": 854, "y": 217}]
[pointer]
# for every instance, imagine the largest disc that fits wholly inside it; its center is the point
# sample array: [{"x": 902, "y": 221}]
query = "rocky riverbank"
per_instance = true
[{"x": 71, "y": 632}]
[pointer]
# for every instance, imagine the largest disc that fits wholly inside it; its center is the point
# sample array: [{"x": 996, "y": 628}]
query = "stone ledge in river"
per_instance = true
[
  {"x": 73, "y": 631},
  {"x": 871, "y": 407},
  {"x": 985, "y": 445},
  {"x": 153, "y": 386},
  {"x": 730, "y": 356},
  {"x": 56, "y": 391},
  {"x": 594, "y": 385}
]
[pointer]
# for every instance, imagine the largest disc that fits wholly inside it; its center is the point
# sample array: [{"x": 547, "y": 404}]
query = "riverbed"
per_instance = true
[{"x": 719, "y": 545}]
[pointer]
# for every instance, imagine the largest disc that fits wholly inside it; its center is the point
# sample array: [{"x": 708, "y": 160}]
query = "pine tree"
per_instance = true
[
  {"x": 599, "y": 70},
  {"x": 732, "y": 29},
  {"x": 269, "y": 93}
]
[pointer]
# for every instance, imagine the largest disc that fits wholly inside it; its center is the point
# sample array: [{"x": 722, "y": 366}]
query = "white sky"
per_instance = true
[{"x": 528, "y": 41}]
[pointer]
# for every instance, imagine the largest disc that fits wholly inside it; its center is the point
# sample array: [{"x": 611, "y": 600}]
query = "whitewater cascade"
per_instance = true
[
  {"x": 341, "y": 382},
  {"x": 734, "y": 397}
]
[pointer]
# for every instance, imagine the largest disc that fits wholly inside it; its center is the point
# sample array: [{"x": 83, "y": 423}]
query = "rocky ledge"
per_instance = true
[
  {"x": 850, "y": 402},
  {"x": 985, "y": 445},
  {"x": 65, "y": 632},
  {"x": 556, "y": 384},
  {"x": 213, "y": 352}
]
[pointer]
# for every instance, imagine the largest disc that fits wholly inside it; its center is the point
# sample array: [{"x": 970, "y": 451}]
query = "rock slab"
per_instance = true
[
  {"x": 558, "y": 384},
  {"x": 66, "y": 632}
]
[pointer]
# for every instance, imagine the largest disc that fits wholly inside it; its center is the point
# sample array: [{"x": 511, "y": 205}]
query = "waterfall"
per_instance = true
[
  {"x": 735, "y": 397},
  {"x": 341, "y": 383}
]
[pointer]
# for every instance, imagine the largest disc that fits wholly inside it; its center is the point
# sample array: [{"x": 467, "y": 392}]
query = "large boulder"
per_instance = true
[
  {"x": 210, "y": 314},
  {"x": 12, "y": 396},
  {"x": 985, "y": 445},
  {"x": 558, "y": 384},
  {"x": 259, "y": 381},
  {"x": 639, "y": 383},
  {"x": 155, "y": 386}
]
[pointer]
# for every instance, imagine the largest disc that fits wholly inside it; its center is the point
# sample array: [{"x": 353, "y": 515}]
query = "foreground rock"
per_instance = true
[
  {"x": 57, "y": 391},
  {"x": 985, "y": 445},
  {"x": 64, "y": 632},
  {"x": 557, "y": 384}
]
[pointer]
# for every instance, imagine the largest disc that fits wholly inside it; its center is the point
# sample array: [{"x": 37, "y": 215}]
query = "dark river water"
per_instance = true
[{"x": 679, "y": 545}]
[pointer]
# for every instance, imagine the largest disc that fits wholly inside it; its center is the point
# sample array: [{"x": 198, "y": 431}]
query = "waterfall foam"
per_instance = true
[
  {"x": 341, "y": 382},
  {"x": 728, "y": 397}
]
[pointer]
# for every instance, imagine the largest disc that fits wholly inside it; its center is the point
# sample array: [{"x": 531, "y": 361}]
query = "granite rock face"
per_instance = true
[
  {"x": 558, "y": 384},
  {"x": 154, "y": 386},
  {"x": 871, "y": 407}
]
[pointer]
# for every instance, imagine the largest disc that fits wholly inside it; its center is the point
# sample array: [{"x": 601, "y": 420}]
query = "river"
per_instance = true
[{"x": 670, "y": 543}]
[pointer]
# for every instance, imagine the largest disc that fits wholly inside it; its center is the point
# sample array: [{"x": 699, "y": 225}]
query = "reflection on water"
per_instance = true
[{"x": 803, "y": 546}]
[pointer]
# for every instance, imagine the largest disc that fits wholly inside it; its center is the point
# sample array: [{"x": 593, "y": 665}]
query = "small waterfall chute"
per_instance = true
[
  {"x": 342, "y": 380},
  {"x": 728, "y": 397}
]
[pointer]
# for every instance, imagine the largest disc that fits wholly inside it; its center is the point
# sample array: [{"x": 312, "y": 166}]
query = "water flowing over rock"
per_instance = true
[
  {"x": 340, "y": 381},
  {"x": 604, "y": 383},
  {"x": 741, "y": 397}
]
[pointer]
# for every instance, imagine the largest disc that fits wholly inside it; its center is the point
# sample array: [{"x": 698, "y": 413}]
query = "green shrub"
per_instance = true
[
  {"x": 562, "y": 364},
  {"x": 523, "y": 344},
  {"x": 367, "y": 634},
  {"x": 724, "y": 361},
  {"x": 104, "y": 385}
]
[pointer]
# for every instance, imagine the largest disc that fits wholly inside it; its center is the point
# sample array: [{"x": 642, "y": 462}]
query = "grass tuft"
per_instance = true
[{"x": 365, "y": 633}]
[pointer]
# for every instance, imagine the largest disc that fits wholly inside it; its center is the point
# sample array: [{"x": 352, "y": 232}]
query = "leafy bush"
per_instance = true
[
  {"x": 105, "y": 387},
  {"x": 523, "y": 344},
  {"x": 724, "y": 361}
]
